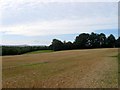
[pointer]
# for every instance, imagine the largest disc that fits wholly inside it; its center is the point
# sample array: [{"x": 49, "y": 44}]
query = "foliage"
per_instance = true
[
  {"x": 85, "y": 40},
  {"x": 117, "y": 42},
  {"x": 82, "y": 41},
  {"x": 57, "y": 45},
  {"x": 39, "y": 51},
  {"x": 111, "y": 41},
  {"x": 17, "y": 50}
]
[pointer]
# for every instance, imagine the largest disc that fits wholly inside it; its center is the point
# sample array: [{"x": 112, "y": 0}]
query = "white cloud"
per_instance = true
[
  {"x": 65, "y": 26},
  {"x": 17, "y": 3},
  {"x": 40, "y": 18},
  {"x": 55, "y": 27}
]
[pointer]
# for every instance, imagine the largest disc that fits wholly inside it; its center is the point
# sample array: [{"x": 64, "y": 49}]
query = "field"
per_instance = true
[
  {"x": 90, "y": 68},
  {"x": 39, "y": 51}
]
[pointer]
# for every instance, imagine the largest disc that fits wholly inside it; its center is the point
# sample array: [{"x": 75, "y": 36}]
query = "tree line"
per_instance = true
[
  {"x": 82, "y": 41},
  {"x": 87, "y": 41},
  {"x": 17, "y": 50}
]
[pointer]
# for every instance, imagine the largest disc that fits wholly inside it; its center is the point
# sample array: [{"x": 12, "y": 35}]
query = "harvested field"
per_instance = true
[{"x": 90, "y": 68}]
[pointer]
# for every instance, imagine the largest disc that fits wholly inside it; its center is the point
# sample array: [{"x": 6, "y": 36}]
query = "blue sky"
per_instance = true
[{"x": 34, "y": 22}]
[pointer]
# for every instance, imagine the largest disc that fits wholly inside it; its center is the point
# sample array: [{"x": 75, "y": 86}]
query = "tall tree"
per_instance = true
[
  {"x": 117, "y": 43},
  {"x": 111, "y": 41},
  {"x": 57, "y": 45},
  {"x": 94, "y": 40},
  {"x": 81, "y": 41},
  {"x": 102, "y": 40},
  {"x": 68, "y": 45}
]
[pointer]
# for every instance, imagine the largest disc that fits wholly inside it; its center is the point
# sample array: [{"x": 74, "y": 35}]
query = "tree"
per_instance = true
[
  {"x": 117, "y": 43},
  {"x": 102, "y": 40},
  {"x": 17, "y": 50},
  {"x": 68, "y": 45},
  {"x": 94, "y": 40},
  {"x": 57, "y": 45},
  {"x": 81, "y": 41},
  {"x": 111, "y": 41}
]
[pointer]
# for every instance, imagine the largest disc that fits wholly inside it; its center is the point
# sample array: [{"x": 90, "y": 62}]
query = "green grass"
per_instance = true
[{"x": 40, "y": 51}]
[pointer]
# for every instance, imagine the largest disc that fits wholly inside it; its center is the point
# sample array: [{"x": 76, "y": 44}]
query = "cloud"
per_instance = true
[
  {"x": 39, "y": 18},
  {"x": 64, "y": 26},
  {"x": 19, "y": 11},
  {"x": 15, "y": 4}
]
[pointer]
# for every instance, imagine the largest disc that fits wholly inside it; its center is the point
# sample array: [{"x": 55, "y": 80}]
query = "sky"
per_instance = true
[{"x": 37, "y": 22}]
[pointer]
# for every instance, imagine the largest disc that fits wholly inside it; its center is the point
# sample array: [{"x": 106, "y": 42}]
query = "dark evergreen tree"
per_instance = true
[
  {"x": 110, "y": 41},
  {"x": 68, "y": 45},
  {"x": 117, "y": 43},
  {"x": 102, "y": 40},
  {"x": 57, "y": 45},
  {"x": 82, "y": 41}
]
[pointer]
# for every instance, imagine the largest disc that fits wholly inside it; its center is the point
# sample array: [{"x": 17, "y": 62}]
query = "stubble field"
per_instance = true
[{"x": 90, "y": 68}]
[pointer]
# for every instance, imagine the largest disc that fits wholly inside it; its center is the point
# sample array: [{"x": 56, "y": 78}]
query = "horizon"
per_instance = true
[
  {"x": 51, "y": 42},
  {"x": 35, "y": 23}
]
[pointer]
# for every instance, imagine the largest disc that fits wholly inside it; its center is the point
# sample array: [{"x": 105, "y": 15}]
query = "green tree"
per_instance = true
[
  {"x": 117, "y": 43},
  {"x": 94, "y": 40},
  {"x": 68, "y": 45},
  {"x": 57, "y": 45},
  {"x": 81, "y": 41},
  {"x": 102, "y": 40},
  {"x": 111, "y": 41}
]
